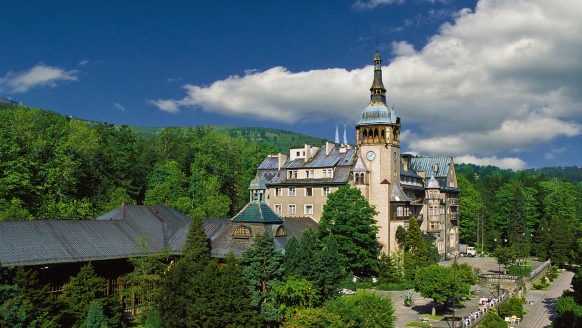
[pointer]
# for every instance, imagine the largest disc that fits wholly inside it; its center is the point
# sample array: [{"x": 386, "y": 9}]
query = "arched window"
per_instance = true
[
  {"x": 242, "y": 232},
  {"x": 281, "y": 232},
  {"x": 359, "y": 178}
]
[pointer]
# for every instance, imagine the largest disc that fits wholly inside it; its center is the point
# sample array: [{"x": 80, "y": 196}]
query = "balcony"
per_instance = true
[{"x": 454, "y": 201}]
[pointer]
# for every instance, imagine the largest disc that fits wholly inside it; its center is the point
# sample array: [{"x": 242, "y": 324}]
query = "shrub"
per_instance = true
[
  {"x": 541, "y": 285},
  {"x": 514, "y": 306}
]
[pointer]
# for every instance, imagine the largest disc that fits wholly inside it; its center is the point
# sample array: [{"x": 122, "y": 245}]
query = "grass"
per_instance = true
[{"x": 418, "y": 324}]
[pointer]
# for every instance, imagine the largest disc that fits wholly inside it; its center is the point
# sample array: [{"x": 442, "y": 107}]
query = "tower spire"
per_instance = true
[
  {"x": 336, "y": 132},
  {"x": 377, "y": 91}
]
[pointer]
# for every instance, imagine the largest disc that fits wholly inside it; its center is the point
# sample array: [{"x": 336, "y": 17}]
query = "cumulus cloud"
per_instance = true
[
  {"x": 504, "y": 163},
  {"x": 506, "y": 77},
  {"x": 39, "y": 75}
]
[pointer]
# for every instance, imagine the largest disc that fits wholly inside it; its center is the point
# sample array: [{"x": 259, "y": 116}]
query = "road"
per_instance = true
[{"x": 540, "y": 312}]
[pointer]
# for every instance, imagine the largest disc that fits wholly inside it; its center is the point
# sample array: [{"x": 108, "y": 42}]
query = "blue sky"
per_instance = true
[{"x": 488, "y": 82}]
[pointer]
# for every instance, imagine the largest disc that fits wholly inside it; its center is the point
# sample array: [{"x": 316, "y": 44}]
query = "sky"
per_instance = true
[{"x": 495, "y": 82}]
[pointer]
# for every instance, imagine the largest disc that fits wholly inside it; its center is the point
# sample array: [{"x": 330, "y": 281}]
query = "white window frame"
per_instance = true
[
  {"x": 278, "y": 209},
  {"x": 325, "y": 191},
  {"x": 292, "y": 191},
  {"x": 291, "y": 209},
  {"x": 278, "y": 192},
  {"x": 310, "y": 193},
  {"x": 308, "y": 209}
]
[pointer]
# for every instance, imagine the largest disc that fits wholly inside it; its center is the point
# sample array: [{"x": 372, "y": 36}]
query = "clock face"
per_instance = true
[{"x": 371, "y": 155}]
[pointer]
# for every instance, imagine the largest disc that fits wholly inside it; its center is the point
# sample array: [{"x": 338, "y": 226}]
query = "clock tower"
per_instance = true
[{"x": 378, "y": 144}]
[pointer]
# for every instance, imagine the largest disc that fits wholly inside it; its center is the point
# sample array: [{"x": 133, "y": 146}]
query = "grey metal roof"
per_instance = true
[
  {"x": 269, "y": 163},
  {"x": 112, "y": 235},
  {"x": 377, "y": 113},
  {"x": 225, "y": 242},
  {"x": 360, "y": 166},
  {"x": 341, "y": 162},
  {"x": 432, "y": 183},
  {"x": 427, "y": 164},
  {"x": 398, "y": 195}
]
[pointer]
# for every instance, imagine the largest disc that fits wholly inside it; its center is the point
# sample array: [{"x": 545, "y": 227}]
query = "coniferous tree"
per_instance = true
[
  {"x": 415, "y": 252},
  {"x": 95, "y": 317},
  {"x": 291, "y": 259},
  {"x": 327, "y": 270},
  {"x": 350, "y": 218},
  {"x": 263, "y": 268}
]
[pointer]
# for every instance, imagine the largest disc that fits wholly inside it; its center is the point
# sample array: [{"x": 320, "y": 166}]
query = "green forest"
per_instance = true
[{"x": 60, "y": 167}]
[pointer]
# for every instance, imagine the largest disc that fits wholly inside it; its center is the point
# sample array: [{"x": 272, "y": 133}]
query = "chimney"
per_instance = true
[
  {"x": 328, "y": 147},
  {"x": 282, "y": 160}
]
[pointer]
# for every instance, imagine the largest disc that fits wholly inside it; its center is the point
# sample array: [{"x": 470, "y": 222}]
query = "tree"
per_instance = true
[
  {"x": 363, "y": 310},
  {"x": 400, "y": 235},
  {"x": 350, "y": 218},
  {"x": 96, "y": 318},
  {"x": 294, "y": 292},
  {"x": 432, "y": 254},
  {"x": 493, "y": 320},
  {"x": 513, "y": 306},
  {"x": 439, "y": 283},
  {"x": 503, "y": 255},
  {"x": 388, "y": 269},
  {"x": 562, "y": 242},
  {"x": 415, "y": 252},
  {"x": 468, "y": 208},
  {"x": 147, "y": 270},
  {"x": 542, "y": 240},
  {"x": 82, "y": 290},
  {"x": 263, "y": 270},
  {"x": 327, "y": 270}
]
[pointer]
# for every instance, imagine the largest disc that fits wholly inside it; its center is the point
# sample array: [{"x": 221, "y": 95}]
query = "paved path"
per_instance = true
[{"x": 543, "y": 310}]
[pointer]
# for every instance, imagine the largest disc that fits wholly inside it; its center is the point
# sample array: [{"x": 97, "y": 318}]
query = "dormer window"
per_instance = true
[
  {"x": 242, "y": 232},
  {"x": 281, "y": 232}
]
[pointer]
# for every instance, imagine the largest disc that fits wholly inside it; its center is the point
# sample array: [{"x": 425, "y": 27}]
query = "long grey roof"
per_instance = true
[{"x": 115, "y": 235}]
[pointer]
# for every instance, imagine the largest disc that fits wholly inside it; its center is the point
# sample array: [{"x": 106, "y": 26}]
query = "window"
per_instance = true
[
  {"x": 328, "y": 173},
  {"x": 281, "y": 232},
  {"x": 278, "y": 209},
  {"x": 359, "y": 178},
  {"x": 242, "y": 232},
  {"x": 309, "y": 174},
  {"x": 399, "y": 211},
  {"x": 308, "y": 191},
  {"x": 292, "y": 191},
  {"x": 325, "y": 191},
  {"x": 308, "y": 209},
  {"x": 292, "y": 174},
  {"x": 278, "y": 192},
  {"x": 291, "y": 209}
]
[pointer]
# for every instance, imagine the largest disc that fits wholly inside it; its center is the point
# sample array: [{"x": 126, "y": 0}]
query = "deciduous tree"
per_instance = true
[{"x": 349, "y": 217}]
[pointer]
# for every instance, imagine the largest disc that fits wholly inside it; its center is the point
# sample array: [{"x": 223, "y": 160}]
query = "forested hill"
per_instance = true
[
  {"x": 474, "y": 172},
  {"x": 280, "y": 139}
]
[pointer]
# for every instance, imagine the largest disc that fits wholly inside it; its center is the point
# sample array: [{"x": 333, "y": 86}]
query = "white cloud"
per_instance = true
[
  {"x": 363, "y": 5},
  {"x": 39, "y": 75},
  {"x": 119, "y": 106},
  {"x": 83, "y": 63},
  {"x": 504, "y": 163},
  {"x": 503, "y": 78}
]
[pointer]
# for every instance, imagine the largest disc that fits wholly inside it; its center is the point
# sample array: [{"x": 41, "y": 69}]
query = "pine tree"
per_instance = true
[
  {"x": 542, "y": 240},
  {"x": 350, "y": 218},
  {"x": 196, "y": 245}
]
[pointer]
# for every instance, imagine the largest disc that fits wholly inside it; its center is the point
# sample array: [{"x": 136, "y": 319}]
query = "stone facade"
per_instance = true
[{"x": 400, "y": 186}]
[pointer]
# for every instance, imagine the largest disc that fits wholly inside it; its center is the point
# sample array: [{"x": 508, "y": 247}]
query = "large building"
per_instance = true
[{"x": 400, "y": 186}]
